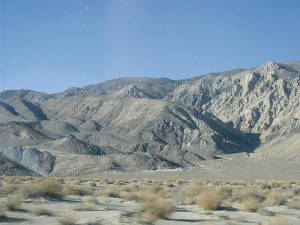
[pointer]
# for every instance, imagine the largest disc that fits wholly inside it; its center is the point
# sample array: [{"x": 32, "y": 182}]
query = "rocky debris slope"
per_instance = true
[
  {"x": 31, "y": 158},
  {"x": 11, "y": 168},
  {"x": 70, "y": 144},
  {"x": 145, "y": 123}
]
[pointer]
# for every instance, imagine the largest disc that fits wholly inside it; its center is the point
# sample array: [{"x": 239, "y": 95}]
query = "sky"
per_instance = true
[{"x": 50, "y": 45}]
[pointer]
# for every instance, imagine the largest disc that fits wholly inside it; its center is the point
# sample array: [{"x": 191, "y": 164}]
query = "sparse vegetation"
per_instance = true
[
  {"x": 76, "y": 190},
  {"x": 67, "y": 220},
  {"x": 46, "y": 188},
  {"x": 8, "y": 189},
  {"x": 13, "y": 202},
  {"x": 2, "y": 211},
  {"x": 90, "y": 202},
  {"x": 209, "y": 199},
  {"x": 155, "y": 204},
  {"x": 252, "y": 201},
  {"x": 274, "y": 198},
  {"x": 38, "y": 211},
  {"x": 190, "y": 193},
  {"x": 155, "y": 199}
]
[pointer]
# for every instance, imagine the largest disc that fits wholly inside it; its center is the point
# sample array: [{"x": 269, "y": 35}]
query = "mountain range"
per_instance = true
[{"x": 134, "y": 124}]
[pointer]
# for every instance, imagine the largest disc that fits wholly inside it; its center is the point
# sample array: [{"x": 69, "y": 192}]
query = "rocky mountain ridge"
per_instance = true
[{"x": 130, "y": 124}]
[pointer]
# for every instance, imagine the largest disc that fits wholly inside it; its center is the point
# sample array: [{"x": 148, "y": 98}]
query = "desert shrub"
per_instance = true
[
  {"x": 127, "y": 192},
  {"x": 156, "y": 189},
  {"x": 130, "y": 192},
  {"x": 90, "y": 202},
  {"x": 226, "y": 192},
  {"x": 92, "y": 184},
  {"x": 76, "y": 190},
  {"x": 252, "y": 201},
  {"x": 209, "y": 199},
  {"x": 38, "y": 211},
  {"x": 121, "y": 182},
  {"x": 67, "y": 220},
  {"x": 2, "y": 211},
  {"x": 275, "y": 198},
  {"x": 154, "y": 204},
  {"x": 77, "y": 182},
  {"x": 265, "y": 187},
  {"x": 111, "y": 192},
  {"x": 8, "y": 189},
  {"x": 13, "y": 202},
  {"x": 45, "y": 188},
  {"x": 190, "y": 192},
  {"x": 296, "y": 191},
  {"x": 180, "y": 182}
]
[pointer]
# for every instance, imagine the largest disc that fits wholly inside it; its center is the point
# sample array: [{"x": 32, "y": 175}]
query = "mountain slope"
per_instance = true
[
  {"x": 260, "y": 100},
  {"x": 132, "y": 124}
]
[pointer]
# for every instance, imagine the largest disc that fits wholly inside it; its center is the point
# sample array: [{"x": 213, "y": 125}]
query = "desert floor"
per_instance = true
[{"x": 66, "y": 201}]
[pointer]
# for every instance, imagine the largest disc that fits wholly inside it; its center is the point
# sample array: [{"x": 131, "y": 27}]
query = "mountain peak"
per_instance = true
[{"x": 132, "y": 91}]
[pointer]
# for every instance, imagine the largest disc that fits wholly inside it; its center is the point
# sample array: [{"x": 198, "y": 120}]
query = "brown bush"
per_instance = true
[
  {"x": 67, "y": 220},
  {"x": 275, "y": 198},
  {"x": 209, "y": 199},
  {"x": 13, "y": 202},
  {"x": 111, "y": 192},
  {"x": 45, "y": 188},
  {"x": 2, "y": 211},
  {"x": 38, "y": 211},
  {"x": 190, "y": 193},
  {"x": 90, "y": 202},
  {"x": 8, "y": 189},
  {"x": 76, "y": 190},
  {"x": 252, "y": 201},
  {"x": 154, "y": 204}
]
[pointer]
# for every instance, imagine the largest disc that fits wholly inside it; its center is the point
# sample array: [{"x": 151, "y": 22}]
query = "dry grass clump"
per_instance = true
[
  {"x": 252, "y": 201},
  {"x": 67, "y": 220},
  {"x": 38, "y": 211},
  {"x": 92, "y": 184},
  {"x": 275, "y": 198},
  {"x": 45, "y": 188},
  {"x": 155, "y": 204},
  {"x": 209, "y": 199},
  {"x": 128, "y": 192},
  {"x": 264, "y": 186},
  {"x": 76, "y": 190},
  {"x": 296, "y": 191},
  {"x": 13, "y": 202},
  {"x": 111, "y": 192},
  {"x": 8, "y": 189},
  {"x": 190, "y": 192},
  {"x": 2, "y": 211},
  {"x": 90, "y": 202},
  {"x": 226, "y": 192},
  {"x": 53, "y": 189},
  {"x": 77, "y": 182}
]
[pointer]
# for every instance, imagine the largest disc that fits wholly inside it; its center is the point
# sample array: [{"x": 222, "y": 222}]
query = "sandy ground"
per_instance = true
[
  {"x": 118, "y": 210},
  {"x": 232, "y": 166}
]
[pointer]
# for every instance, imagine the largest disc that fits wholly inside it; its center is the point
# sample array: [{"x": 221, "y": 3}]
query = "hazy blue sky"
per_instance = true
[{"x": 50, "y": 45}]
